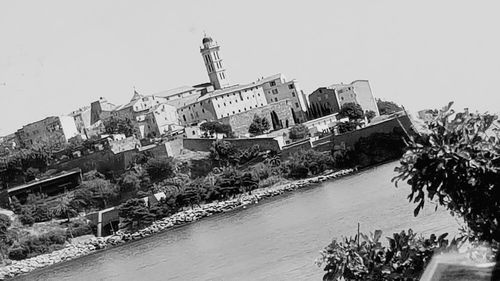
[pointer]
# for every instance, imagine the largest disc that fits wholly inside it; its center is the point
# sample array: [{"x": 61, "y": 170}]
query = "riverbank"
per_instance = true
[{"x": 75, "y": 250}]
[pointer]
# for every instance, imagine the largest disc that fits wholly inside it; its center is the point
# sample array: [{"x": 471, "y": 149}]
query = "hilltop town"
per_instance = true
[{"x": 106, "y": 169}]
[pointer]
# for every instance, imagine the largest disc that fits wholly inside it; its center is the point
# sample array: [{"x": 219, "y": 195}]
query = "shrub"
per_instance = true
[
  {"x": 223, "y": 153},
  {"x": 457, "y": 162},
  {"x": 76, "y": 229},
  {"x": 365, "y": 258},
  {"x": 160, "y": 168},
  {"x": 301, "y": 163},
  {"x": 18, "y": 253},
  {"x": 387, "y": 107},
  {"x": 351, "y": 110},
  {"x": 5, "y": 221},
  {"x": 26, "y": 219},
  {"x": 348, "y": 126},
  {"x": 135, "y": 213},
  {"x": 259, "y": 125},
  {"x": 298, "y": 132},
  {"x": 41, "y": 213}
]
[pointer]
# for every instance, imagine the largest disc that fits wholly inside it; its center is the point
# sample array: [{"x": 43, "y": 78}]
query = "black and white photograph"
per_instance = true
[{"x": 340, "y": 140}]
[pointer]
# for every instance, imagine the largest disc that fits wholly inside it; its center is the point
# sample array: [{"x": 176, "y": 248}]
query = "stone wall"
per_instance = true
[
  {"x": 241, "y": 122},
  {"x": 102, "y": 161},
  {"x": 205, "y": 144},
  {"x": 295, "y": 147},
  {"x": 350, "y": 138}
]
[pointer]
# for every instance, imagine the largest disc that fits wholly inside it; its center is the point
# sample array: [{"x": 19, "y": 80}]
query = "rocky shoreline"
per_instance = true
[{"x": 72, "y": 251}]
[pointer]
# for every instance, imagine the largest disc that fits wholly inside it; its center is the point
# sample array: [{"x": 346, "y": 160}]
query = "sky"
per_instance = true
[{"x": 58, "y": 56}]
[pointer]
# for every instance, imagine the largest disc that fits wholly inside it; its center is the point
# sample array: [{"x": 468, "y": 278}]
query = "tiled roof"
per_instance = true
[
  {"x": 270, "y": 78},
  {"x": 175, "y": 91}
]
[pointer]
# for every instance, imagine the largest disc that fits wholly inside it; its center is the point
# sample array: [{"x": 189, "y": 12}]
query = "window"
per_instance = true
[
  {"x": 291, "y": 86},
  {"x": 297, "y": 104},
  {"x": 272, "y": 83},
  {"x": 184, "y": 117},
  {"x": 245, "y": 109},
  {"x": 275, "y": 91},
  {"x": 230, "y": 102},
  {"x": 275, "y": 99},
  {"x": 239, "y": 110},
  {"x": 218, "y": 105},
  {"x": 293, "y": 94},
  {"x": 261, "y": 104},
  {"x": 233, "y": 111},
  {"x": 224, "y": 104},
  {"x": 203, "y": 110}
]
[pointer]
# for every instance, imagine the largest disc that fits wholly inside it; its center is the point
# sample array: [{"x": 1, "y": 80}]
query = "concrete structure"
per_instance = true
[
  {"x": 277, "y": 88},
  {"x": 279, "y": 114},
  {"x": 222, "y": 103},
  {"x": 51, "y": 186},
  {"x": 213, "y": 63},
  {"x": 328, "y": 100},
  {"x": 52, "y": 131}
]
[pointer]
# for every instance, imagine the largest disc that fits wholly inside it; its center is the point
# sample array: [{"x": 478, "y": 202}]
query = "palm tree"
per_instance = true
[{"x": 64, "y": 208}]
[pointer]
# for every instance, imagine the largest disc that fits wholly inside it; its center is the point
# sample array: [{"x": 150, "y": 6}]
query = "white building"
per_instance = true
[{"x": 222, "y": 103}]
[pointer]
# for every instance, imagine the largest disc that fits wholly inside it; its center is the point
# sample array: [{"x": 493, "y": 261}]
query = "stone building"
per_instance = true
[
  {"x": 277, "y": 88},
  {"x": 150, "y": 115},
  {"x": 328, "y": 100},
  {"x": 52, "y": 131},
  {"x": 222, "y": 103},
  {"x": 279, "y": 114}
]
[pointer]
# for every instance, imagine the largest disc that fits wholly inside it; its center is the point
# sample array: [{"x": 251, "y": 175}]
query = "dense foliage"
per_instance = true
[
  {"x": 344, "y": 127},
  {"x": 259, "y": 125},
  {"x": 365, "y": 258},
  {"x": 298, "y": 132},
  {"x": 457, "y": 162},
  {"x": 160, "y": 167},
  {"x": 119, "y": 126},
  {"x": 351, "y": 110},
  {"x": 214, "y": 127},
  {"x": 387, "y": 107},
  {"x": 307, "y": 162},
  {"x": 369, "y": 114}
]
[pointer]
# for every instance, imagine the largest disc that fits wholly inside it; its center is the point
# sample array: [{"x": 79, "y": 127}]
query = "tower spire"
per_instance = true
[{"x": 213, "y": 63}]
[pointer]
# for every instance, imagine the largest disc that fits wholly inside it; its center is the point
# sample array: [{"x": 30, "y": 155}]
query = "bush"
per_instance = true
[
  {"x": 301, "y": 163},
  {"x": 351, "y": 110},
  {"x": 298, "y": 132},
  {"x": 135, "y": 213},
  {"x": 364, "y": 257},
  {"x": 160, "y": 168},
  {"x": 18, "y": 253},
  {"x": 259, "y": 125},
  {"x": 5, "y": 221},
  {"x": 457, "y": 162},
  {"x": 76, "y": 229},
  {"x": 348, "y": 126},
  {"x": 223, "y": 153},
  {"x": 35, "y": 245},
  {"x": 26, "y": 219}
]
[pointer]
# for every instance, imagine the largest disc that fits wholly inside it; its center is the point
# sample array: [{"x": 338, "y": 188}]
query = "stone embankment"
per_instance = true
[{"x": 72, "y": 251}]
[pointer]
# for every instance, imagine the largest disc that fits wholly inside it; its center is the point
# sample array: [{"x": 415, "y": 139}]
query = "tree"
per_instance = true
[
  {"x": 351, "y": 110},
  {"x": 457, "y": 162},
  {"x": 223, "y": 153},
  {"x": 5, "y": 223},
  {"x": 212, "y": 127},
  {"x": 259, "y": 125},
  {"x": 298, "y": 132},
  {"x": 102, "y": 192},
  {"x": 135, "y": 211},
  {"x": 370, "y": 114},
  {"x": 64, "y": 208},
  {"x": 348, "y": 126},
  {"x": 387, "y": 107},
  {"x": 118, "y": 126},
  {"x": 160, "y": 168}
]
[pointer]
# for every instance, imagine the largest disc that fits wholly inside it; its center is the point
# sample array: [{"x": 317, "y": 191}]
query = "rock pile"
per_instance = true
[{"x": 72, "y": 251}]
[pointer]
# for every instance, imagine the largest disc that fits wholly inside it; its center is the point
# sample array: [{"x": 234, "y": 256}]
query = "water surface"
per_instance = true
[{"x": 277, "y": 239}]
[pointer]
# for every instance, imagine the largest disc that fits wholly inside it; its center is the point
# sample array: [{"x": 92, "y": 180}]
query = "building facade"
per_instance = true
[
  {"x": 222, "y": 103},
  {"x": 277, "y": 88},
  {"x": 150, "y": 115},
  {"x": 52, "y": 131},
  {"x": 328, "y": 100}
]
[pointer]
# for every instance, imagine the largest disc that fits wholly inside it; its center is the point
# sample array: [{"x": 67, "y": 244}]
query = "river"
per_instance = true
[{"x": 277, "y": 239}]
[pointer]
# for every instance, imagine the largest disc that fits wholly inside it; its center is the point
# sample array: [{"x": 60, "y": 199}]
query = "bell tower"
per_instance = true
[{"x": 215, "y": 69}]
